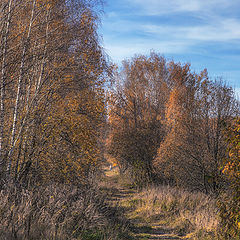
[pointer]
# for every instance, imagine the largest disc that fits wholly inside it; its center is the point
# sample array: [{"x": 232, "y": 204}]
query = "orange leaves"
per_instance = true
[
  {"x": 76, "y": 117},
  {"x": 46, "y": 3},
  {"x": 173, "y": 107},
  {"x": 73, "y": 136},
  {"x": 230, "y": 207},
  {"x": 232, "y": 166},
  {"x": 53, "y": 48}
]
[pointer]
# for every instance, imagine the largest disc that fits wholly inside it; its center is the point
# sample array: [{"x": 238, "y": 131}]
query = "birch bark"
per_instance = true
[
  {"x": 20, "y": 79},
  {"x": 5, "y": 29}
]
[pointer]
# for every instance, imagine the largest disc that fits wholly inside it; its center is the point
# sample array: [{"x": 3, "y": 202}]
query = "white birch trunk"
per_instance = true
[
  {"x": 30, "y": 103},
  {"x": 17, "y": 101},
  {"x": 3, "y": 79}
]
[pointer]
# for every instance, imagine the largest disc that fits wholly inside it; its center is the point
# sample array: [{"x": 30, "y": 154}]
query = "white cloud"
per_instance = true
[
  {"x": 202, "y": 23},
  {"x": 158, "y": 7},
  {"x": 216, "y": 28},
  {"x": 222, "y": 30},
  {"x": 130, "y": 48},
  {"x": 112, "y": 14},
  {"x": 168, "y": 39}
]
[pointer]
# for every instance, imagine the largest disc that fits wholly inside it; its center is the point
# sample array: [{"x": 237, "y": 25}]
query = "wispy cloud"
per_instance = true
[
  {"x": 225, "y": 29},
  {"x": 158, "y": 7},
  {"x": 203, "y": 32},
  {"x": 130, "y": 48}
]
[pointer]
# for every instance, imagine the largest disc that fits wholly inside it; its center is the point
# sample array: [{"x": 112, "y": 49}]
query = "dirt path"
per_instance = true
[{"x": 140, "y": 229}]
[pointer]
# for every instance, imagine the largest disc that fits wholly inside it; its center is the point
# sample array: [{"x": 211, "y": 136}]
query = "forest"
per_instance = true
[{"x": 67, "y": 113}]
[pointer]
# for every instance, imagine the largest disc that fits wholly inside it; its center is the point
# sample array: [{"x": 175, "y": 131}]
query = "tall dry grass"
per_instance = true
[
  {"x": 58, "y": 212},
  {"x": 190, "y": 214}
]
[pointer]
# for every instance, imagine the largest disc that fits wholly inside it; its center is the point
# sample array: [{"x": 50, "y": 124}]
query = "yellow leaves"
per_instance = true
[
  {"x": 173, "y": 109},
  {"x": 229, "y": 168},
  {"x": 232, "y": 171},
  {"x": 73, "y": 122},
  {"x": 232, "y": 166},
  {"x": 47, "y": 3}
]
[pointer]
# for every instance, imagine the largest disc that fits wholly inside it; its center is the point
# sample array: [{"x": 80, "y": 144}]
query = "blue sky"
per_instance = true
[{"x": 205, "y": 33}]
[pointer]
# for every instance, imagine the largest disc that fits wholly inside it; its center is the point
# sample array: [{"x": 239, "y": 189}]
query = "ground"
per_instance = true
[{"x": 123, "y": 195}]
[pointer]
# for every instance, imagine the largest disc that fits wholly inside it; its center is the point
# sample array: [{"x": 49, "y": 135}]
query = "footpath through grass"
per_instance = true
[{"x": 162, "y": 212}]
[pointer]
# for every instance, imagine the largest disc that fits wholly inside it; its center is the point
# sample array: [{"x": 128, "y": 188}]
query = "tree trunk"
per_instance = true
[
  {"x": 20, "y": 79},
  {"x": 6, "y": 27}
]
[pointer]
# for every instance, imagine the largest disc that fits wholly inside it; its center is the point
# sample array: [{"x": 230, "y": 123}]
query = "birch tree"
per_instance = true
[
  {"x": 196, "y": 115},
  {"x": 6, "y": 10},
  {"x": 46, "y": 43},
  {"x": 136, "y": 111}
]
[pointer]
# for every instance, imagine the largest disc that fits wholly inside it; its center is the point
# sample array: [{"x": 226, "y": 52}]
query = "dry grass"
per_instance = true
[
  {"x": 189, "y": 215},
  {"x": 58, "y": 212}
]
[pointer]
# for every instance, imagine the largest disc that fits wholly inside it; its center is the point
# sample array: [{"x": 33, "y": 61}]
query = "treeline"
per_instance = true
[
  {"x": 168, "y": 125},
  {"x": 52, "y": 90}
]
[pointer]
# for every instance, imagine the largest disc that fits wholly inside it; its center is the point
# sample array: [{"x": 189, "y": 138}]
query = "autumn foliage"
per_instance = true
[
  {"x": 230, "y": 203},
  {"x": 60, "y": 116},
  {"x": 136, "y": 110},
  {"x": 52, "y": 99},
  {"x": 167, "y": 123}
]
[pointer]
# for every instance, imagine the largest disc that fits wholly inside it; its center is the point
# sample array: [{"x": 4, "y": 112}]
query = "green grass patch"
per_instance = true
[{"x": 92, "y": 235}]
